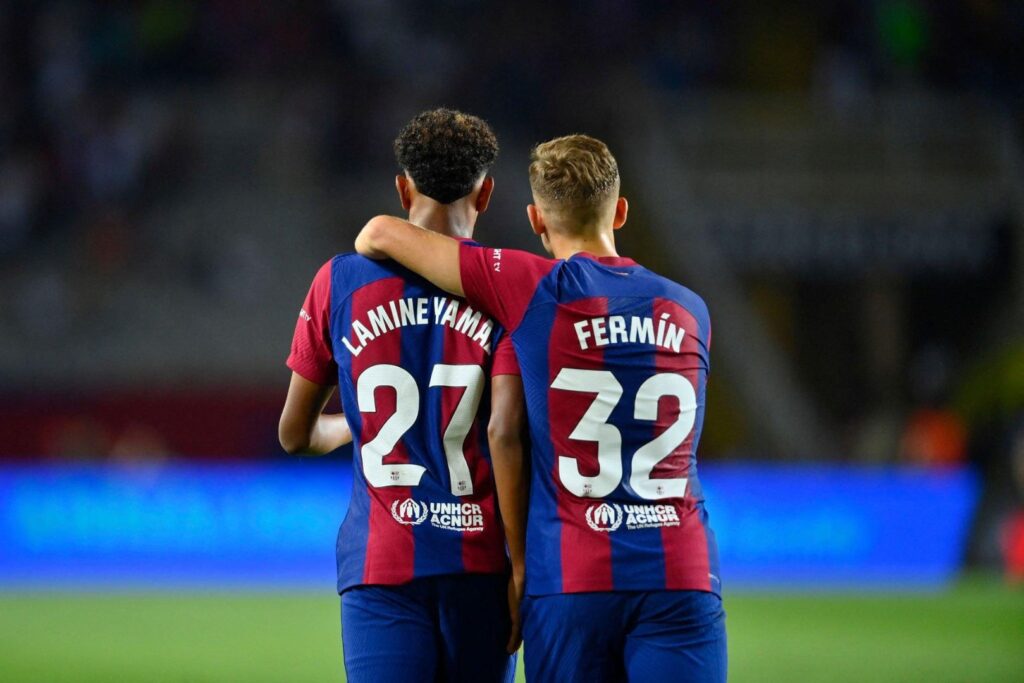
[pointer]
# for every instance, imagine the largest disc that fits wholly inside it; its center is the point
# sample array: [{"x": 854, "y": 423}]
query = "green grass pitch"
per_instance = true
[{"x": 974, "y": 632}]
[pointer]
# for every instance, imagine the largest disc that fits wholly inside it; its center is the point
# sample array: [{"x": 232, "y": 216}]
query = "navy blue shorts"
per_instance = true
[
  {"x": 645, "y": 637},
  {"x": 436, "y": 628}
]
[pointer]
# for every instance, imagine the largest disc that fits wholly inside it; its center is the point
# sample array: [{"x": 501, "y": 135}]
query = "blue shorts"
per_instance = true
[
  {"x": 645, "y": 637},
  {"x": 436, "y": 628}
]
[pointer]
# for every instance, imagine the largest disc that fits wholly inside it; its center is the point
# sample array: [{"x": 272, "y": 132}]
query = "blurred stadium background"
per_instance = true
[{"x": 843, "y": 181}]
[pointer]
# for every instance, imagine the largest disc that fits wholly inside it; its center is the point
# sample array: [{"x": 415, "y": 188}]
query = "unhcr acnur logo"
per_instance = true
[
  {"x": 409, "y": 511},
  {"x": 604, "y": 517}
]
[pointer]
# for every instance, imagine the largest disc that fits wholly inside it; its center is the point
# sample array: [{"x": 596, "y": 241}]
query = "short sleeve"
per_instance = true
[
  {"x": 501, "y": 282},
  {"x": 505, "y": 362},
  {"x": 311, "y": 354}
]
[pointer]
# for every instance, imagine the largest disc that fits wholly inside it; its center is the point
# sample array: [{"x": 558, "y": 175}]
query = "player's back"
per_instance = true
[
  {"x": 413, "y": 365},
  {"x": 614, "y": 360},
  {"x": 627, "y": 362}
]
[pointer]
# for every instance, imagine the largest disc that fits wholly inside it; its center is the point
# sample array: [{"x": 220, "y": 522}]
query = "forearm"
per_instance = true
[
  {"x": 429, "y": 254},
  {"x": 513, "y": 492},
  {"x": 330, "y": 431},
  {"x": 304, "y": 428},
  {"x": 506, "y": 432}
]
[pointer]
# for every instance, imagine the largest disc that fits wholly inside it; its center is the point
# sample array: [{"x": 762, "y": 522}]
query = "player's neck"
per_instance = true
[
  {"x": 453, "y": 219},
  {"x": 564, "y": 246}
]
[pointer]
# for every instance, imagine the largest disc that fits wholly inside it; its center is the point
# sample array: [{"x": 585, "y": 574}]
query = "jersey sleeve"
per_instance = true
[
  {"x": 311, "y": 354},
  {"x": 501, "y": 282},
  {"x": 505, "y": 362}
]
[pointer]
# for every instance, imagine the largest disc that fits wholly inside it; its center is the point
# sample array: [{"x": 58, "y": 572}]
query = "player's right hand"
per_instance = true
[{"x": 515, "y": 597}]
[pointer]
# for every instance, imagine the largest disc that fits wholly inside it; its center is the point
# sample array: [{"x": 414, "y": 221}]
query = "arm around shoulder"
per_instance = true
[
  {"x": 428, "y": 254},
  {"x": 370, "y": 240}
]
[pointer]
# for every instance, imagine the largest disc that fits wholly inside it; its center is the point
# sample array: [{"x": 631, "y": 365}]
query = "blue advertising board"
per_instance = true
[
  {"x": 275, "y": 525},
  {"x": 835, "y": 526},
  {"x": 175, "y": 524}
]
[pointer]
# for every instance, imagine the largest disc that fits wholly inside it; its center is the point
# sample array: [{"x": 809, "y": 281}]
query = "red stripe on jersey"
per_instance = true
[
  {"x": 389, "y": 544},
  {"x": 504, "y": 361},
  {"x": 586, "y": 553},
  {"x": 482, "y": 551},
  {"x": 685, "y": 546},
  {"x": 311, "y": 355}
]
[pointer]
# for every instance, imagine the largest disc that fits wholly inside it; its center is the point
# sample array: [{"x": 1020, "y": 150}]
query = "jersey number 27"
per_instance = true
[{"x": 407, "y": 409}]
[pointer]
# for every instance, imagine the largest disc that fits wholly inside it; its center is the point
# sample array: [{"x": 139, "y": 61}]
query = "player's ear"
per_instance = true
[
  {"x": 621, "y": 209},
  {"x": 483, "y": 198},
  {"x": 404, "y": 188},
  {"x": 536, "y": 219}
]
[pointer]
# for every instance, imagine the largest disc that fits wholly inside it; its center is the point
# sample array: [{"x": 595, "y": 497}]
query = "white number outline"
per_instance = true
[
  {"x": 473, "y": 379},
  {"x": 594, "y": 427},
  {"x": 651, "y": 453},
  {"x": 407, "y": 408}
]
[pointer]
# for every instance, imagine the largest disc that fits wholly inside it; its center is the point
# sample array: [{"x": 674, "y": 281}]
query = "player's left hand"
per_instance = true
[{"x": 515, "y": 597}]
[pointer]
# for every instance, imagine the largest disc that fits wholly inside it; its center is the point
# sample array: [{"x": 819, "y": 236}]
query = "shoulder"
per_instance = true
[
  {"x": 502, "y": 281},
  {"x": 684, "y": 296},
  {"x": 689, "y": 298},
  {"x": 349, "y": 272},
  {"x": 501, "y": 255}
]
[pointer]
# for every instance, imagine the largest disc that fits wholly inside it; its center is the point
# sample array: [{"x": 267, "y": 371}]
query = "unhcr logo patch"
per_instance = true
[
  {"x": 462, "y": 517},
  {"x": 610, "y": 516},
  {"x": 651, "y": 516},
  {"x": 457, "y": 516},
  {"x": 604, "y": 517},
  {"x": 409, "y": 511}
]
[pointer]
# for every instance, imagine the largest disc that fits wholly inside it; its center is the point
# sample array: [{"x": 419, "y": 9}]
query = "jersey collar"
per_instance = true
[{"x": 606, "y": 260}]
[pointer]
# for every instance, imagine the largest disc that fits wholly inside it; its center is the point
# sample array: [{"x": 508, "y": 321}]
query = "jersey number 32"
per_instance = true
[{"x": 594, "y": 426}]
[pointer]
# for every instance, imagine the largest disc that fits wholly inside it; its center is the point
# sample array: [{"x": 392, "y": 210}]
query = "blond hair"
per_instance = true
[{"x": 575, "y": 177}]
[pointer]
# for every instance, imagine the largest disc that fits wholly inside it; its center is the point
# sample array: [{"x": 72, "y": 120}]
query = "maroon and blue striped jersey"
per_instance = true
[
  {"x": 412, "y": 365},
  {"x": 614, "y": 361}
]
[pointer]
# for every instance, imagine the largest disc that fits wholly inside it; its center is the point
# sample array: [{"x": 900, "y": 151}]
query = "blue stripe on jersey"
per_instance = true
[
  {"x": 695, "y": 305},
  {"x": 347, "y": 275},
  {"x": 713, "y": 562},
  {"x": 640, "y": 359},
  {"x": 693, "y": 483},
  {"x": 434, "y": 552},
  {"x": 543, "y": 539}
]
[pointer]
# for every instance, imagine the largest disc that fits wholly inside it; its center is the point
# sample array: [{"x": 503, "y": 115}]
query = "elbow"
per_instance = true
[
  {"x": 293, "y": 446},
  {"x": 293, "y": 441},
  {"x": 371, "y": 237},
  {"x": 377, "y": 226},
  {"x": 372, "y": 232},
  {"x": 502, "y": 435}
]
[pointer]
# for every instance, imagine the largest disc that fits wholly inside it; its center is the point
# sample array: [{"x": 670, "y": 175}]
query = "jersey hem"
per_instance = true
[
  {"x": 626, "y": 589},
  {"x": 405, "y": 581}
]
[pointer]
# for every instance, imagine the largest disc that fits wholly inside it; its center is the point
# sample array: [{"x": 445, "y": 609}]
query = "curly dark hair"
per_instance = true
[{"x": 445, "y": 152}]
